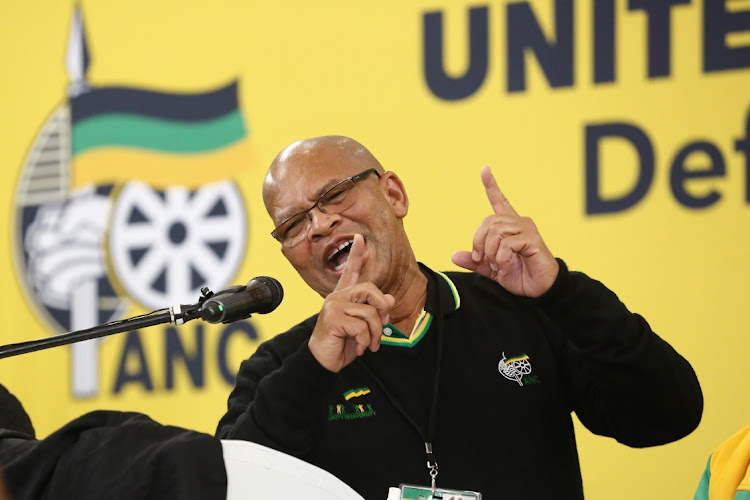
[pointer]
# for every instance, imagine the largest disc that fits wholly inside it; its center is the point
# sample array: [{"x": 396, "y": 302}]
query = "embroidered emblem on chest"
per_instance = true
[
  {"x": 517, "y": 369},
  {"x": 350, "y": 410}
]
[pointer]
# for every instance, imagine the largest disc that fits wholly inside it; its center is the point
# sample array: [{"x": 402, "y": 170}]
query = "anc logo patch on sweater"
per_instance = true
[
  {"x": 351, "y": 410},
  {"x": 518, "y": 369}
]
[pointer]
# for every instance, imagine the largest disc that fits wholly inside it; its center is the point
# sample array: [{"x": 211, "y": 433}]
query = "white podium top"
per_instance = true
[{"x": 257, "y": 472}]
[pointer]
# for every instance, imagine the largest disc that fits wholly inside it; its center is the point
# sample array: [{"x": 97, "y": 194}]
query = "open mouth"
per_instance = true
[{"x": 338, "y": 258}]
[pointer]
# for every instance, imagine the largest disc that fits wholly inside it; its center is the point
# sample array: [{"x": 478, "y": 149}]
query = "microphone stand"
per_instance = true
[{"x": 176, "y": 315}]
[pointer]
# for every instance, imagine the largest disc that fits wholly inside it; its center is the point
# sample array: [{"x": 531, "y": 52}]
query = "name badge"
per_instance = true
[{"x": 413, "y": 492}]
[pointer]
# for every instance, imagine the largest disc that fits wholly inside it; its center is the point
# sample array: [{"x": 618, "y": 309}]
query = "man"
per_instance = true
[{"x": 407, "y": 374}]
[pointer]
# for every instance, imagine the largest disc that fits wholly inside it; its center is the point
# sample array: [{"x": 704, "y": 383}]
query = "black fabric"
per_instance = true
[
  {"x": 13, "y": 417},
  {"x": 108, "y": 454},
  {"x": 505, "y": 437}
]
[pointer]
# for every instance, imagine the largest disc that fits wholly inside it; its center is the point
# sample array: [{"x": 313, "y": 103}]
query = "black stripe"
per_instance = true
[{"x": 181, "y": 107}]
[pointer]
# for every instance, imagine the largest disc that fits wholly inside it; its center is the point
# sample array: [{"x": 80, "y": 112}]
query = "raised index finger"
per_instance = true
[
  {"x": 350, "y": 276},
  {"x": 500, "y": 204}
]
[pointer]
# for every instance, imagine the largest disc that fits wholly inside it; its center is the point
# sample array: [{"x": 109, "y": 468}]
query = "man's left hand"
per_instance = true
[{"x": 508, "y": 248}]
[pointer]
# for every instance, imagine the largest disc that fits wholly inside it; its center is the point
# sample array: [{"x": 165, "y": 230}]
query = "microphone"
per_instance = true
[{"x": 262, "y": 295}]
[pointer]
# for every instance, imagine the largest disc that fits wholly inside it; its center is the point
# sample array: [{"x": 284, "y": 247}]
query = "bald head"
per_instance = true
[
  {"x": 330, "y": 156},
  {"x": 301, "y": 175}
]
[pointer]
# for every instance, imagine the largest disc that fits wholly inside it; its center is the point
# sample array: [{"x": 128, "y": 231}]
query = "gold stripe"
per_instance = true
[
  {"x": 420, "y": 328},
  {"x": 517, "y": 358},
  {"x": 400, "y": 340},
  {"x": 419, "y": 323},
  {"x": 118, "y": 164},
  {"x": 423, "y": 321},
  {"x": 356, "y": 394},
  {"x": 456, "y": 296},
  {"x": 392, "y": 341}
]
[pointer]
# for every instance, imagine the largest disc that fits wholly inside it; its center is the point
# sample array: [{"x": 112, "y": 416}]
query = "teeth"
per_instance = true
[
  {"x": 341, "y": 247},
  {"x": 344, "y": 245}
]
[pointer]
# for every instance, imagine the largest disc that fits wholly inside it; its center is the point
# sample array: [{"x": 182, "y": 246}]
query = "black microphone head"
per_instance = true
[
  {"x": 261, "y": 295},
  {"x": 270, "y": 289}
]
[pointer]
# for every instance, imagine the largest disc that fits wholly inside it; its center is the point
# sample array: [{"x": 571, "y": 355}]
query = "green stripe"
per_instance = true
[
  {"x": 702, "y": 492},
  {"x": 416, "y": 492},
  {"x": 355, "y": 391},
  {"x": 413, "y": 493},
  {"x": 123, "y": 129},
  {"x": 395, "y": 332},
  {"x": 410, "y": 342}
]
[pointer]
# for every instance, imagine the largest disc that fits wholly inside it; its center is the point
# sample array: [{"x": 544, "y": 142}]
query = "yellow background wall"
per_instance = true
[{"x": 355, "y": 68}]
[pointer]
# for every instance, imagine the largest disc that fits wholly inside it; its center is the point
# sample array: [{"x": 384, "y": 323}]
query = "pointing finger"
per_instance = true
[
  {"x": 500, "y": 204},
  {"x": 350, "y": 276}
]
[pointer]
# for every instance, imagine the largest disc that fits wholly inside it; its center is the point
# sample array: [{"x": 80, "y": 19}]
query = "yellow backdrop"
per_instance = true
[{"x": 618, "y": 86}]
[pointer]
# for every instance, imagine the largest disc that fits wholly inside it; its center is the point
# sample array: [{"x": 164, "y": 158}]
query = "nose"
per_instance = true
[{"x": 322, "y": 223}]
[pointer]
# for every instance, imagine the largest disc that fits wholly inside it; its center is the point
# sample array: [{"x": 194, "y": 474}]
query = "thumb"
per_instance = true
[
  {"x": 390, "y": 299},
  {"x": 462, "y": 258}
]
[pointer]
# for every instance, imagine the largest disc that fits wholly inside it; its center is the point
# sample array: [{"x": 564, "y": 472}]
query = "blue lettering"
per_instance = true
[
  {"x": 604, "y": 41},
  {"x": 175, "y": 350},
  {"x": 595, "y": 203},
  {"x": 133, "y": 347},
  {"x": 743, "y": 146},
  {"x": 659, "y": 32},
  {"x": 241, "y": 327},
  {"x": 683, "y": 168},
  {"x": 524, "y": 33},
  {"x": 440, "y": 83},
  {"x": 717, "y": 23},
  {"x": 679, "y": 175}
]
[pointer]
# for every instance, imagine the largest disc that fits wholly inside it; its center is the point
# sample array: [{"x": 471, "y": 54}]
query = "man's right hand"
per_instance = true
[{"x": 352, "y": 317}]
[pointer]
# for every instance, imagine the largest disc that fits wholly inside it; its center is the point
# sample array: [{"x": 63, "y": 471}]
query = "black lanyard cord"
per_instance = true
[{"x": 432, "y": 417}]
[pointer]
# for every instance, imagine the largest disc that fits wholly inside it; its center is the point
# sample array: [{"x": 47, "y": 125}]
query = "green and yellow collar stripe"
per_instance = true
[
  {"x": 456, "y": 296},
  {"x": 394, "y": 336}
]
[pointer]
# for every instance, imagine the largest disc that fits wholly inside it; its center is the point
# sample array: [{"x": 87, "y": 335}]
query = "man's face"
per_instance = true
[{"x": 296, "y": 183}]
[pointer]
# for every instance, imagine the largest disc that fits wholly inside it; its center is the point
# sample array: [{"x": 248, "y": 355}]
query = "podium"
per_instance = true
[{"x": 257, "y": 472}]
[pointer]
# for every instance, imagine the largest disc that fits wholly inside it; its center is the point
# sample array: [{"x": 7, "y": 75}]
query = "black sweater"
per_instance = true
[
  {"x": 112, "y": 454},
  {"x": 512, "y": 371}
]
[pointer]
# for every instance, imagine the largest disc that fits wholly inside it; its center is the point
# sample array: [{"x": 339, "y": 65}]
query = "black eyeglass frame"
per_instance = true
[{"x": 354, "y": 179}]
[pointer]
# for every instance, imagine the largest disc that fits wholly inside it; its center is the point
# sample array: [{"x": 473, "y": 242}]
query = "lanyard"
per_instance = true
[{"x": 432, "y": 466}]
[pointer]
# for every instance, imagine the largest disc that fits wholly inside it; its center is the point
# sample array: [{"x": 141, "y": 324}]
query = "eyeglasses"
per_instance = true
[{"x": 334, "y": 201}]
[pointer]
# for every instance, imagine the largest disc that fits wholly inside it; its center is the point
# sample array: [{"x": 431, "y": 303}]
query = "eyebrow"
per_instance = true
[{"x": 291, "y": 212}]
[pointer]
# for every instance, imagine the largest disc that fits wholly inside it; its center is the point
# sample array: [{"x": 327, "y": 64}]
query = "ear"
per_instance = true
[{"x": 394, "y": 190}]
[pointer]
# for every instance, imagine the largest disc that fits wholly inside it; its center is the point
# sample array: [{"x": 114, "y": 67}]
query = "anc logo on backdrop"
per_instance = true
[{"x": 126, "y": 196}]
